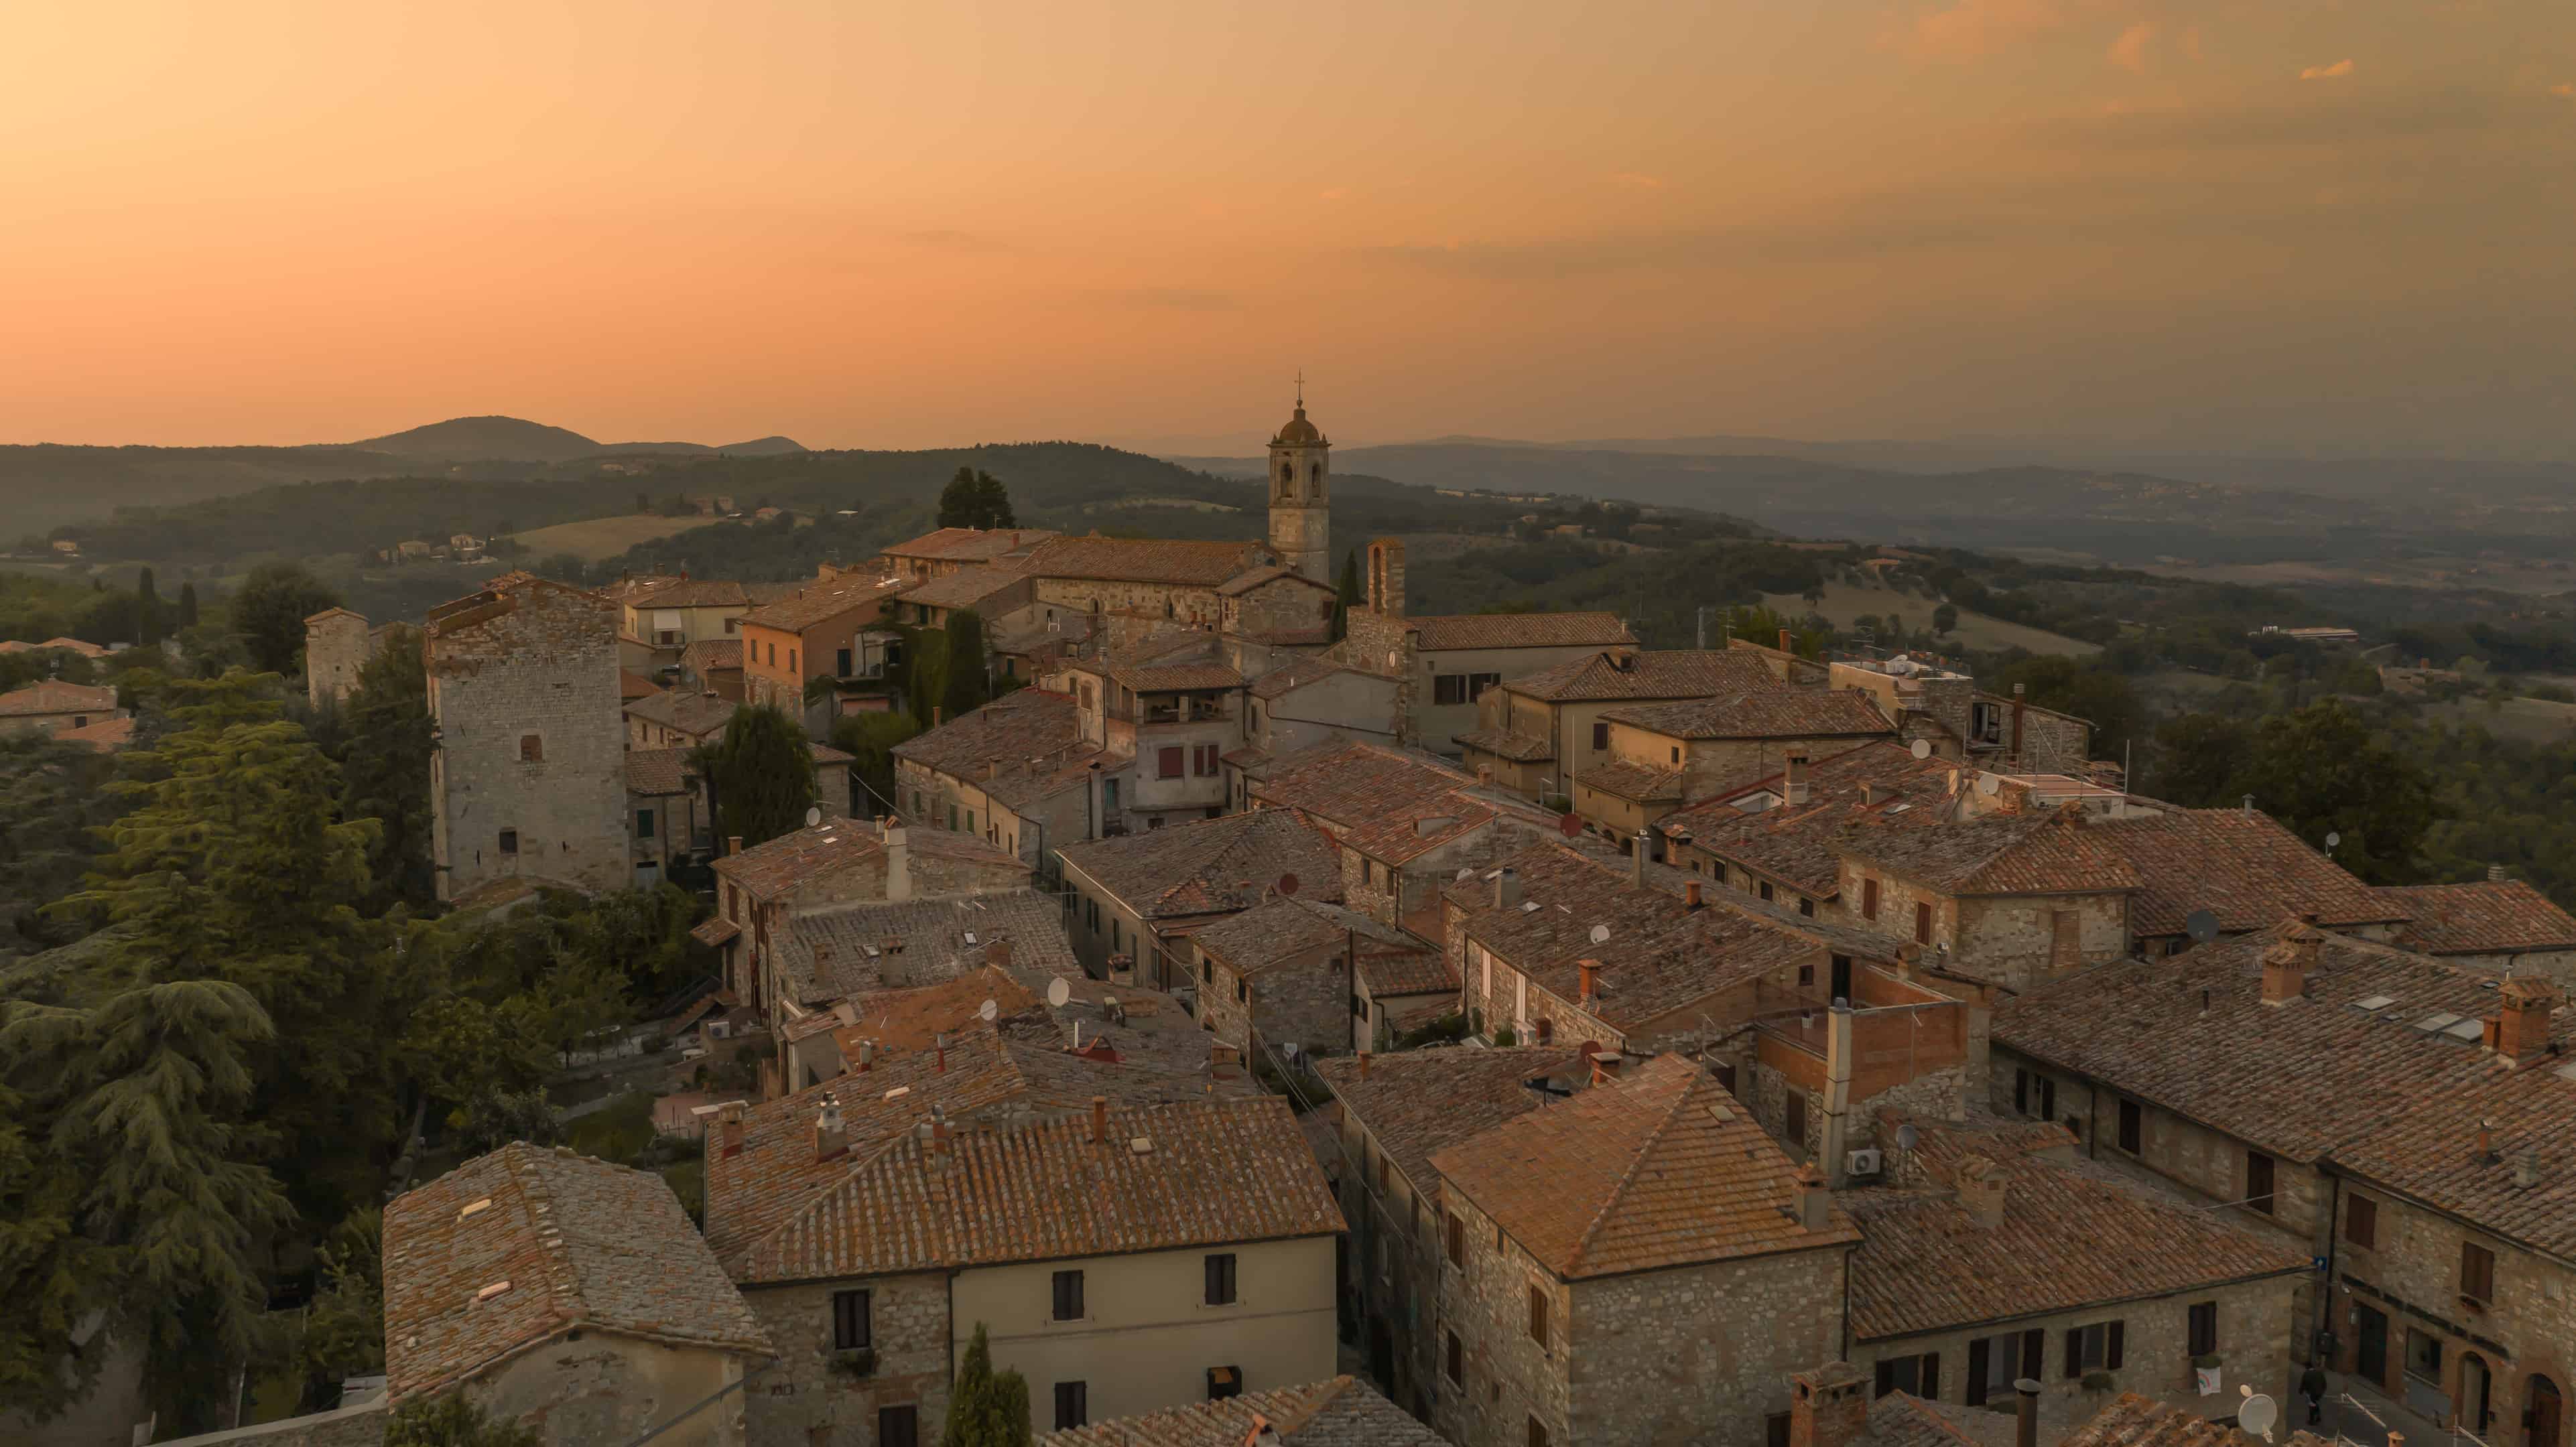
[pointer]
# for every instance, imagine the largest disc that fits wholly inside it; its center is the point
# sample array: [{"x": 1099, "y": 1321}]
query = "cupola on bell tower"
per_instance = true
[{"x": 1301, "y": 480}]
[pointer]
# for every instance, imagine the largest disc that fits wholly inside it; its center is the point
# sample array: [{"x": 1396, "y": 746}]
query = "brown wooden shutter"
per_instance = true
[
  {"x": 2034, "y": 1352},
  {"x": 2111, "y": 1351},
  {"x": 2074, "y": 1352},
  {"x": 1977, "y": 1365},
  {"x": 1931, "y": 1376}
]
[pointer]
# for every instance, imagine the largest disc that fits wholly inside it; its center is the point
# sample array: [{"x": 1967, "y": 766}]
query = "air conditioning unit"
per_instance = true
[{"x": 1864, "y": 1163}]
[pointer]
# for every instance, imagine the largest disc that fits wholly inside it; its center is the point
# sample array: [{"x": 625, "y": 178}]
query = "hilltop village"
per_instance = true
[{"x": 1281, "y": 1016}]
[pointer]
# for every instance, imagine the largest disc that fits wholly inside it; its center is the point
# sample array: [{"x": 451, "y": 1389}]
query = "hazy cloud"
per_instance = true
[
  {"x": 2336, "y": 71},
  {"x": 2129, "y": 52},
  {"x": 1973, "y": 29},
  {"x": 2348, "y": 118}
]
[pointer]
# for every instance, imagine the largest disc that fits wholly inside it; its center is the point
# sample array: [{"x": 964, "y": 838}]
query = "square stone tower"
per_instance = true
[
  {"x": 1301, "y": 498},
  {"x": 336, "y": 646}
]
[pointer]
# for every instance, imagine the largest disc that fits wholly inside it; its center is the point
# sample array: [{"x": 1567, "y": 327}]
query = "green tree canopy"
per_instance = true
[
  {"x": 761, "y": 772},
  {"x": 2085, "y": 689},
  {"x": 151, "y": 621},
  {"x": 453, "y": 1421},
  {"x": 1347, "y": 596},
  {"x": 269, "y": 612},
  {"x": 869, "y": 739},
  {"x": 974, "y": 499},
  {"x": 968, "y": 676},
  {"x": 986, "y": 1408},
  {"x": 384, "y": 768}
]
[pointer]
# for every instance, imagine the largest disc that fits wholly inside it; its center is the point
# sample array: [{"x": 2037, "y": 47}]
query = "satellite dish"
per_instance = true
[
  {"x": 1058, "y": 992},
  {"x": 1922, "y": 748},
  {"x": 2201, "y": 925},
  {"x": 1570, "y": 825},
  {"x": 2259, "y": 1415},
  {"x": 2333, "y": 839},
  {"x": 813, "y": 816},
  {"x": 990, "y": 1009},
  {"x": 1601, "y": 934},
  {"x": 1288, "y": 885},
  {"x": 1465, "y": 873},
  {"x": 1988, "y": 784},
  {"x": 1906, "y": 1136}
]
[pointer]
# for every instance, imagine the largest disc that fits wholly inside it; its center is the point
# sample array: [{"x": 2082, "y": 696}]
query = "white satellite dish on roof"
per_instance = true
[
  {"x": 1922, "y": 748},
  {"x": 1601, "y": 934},
  {"x": 2259, "y": 1415},
  {"x": 1058, "y": 992},
  {"x": 990, "y": 1009},
  {"x": 1989, "y": 784},
  {"x": 813, "y": 816}
]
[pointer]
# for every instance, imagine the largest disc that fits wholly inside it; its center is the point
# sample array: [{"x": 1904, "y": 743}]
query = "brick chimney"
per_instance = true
[
  {"x": 831, "y": 1138},
  {"x": 1364, "y": 1062},
  {"x": 898, "y": 868},
  {"x": 729, "y": 1120},
  {"x": 1605, "y": 1066},
  {"x": 997, "y": 953},
  {"x": 1507, "y": 888},
  {"x": 1099, "y": 1119},
  {"x": 1794, "y": 787},
  {"x": 1690, "y": 895},
  {"x": 1786, "y": 641},
  {"x": 2287, "y": 963},
  {"x": 1981, "y": 1191},
  {"x": 1813, "y": 1200},
  {"x": 1386, "y": 577},
  {"x": 1589, "y": 972},
  {"x": 2522, "y": 1020},
  {"x": 1224, "y": 1062},
  {"x": 1828, "y": 1406},
  {"x": 733, "y": 845}
]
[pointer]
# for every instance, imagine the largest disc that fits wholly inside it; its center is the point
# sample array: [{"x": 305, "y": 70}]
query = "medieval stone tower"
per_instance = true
[{"x": 1301, "y": 496}]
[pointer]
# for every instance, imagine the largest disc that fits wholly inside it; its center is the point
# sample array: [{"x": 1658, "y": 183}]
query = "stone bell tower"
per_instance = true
[{"x": 1301, "y": 495}]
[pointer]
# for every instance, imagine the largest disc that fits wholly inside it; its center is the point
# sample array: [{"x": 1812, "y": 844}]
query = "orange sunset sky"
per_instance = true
[{"x": 2340, "y": 225}]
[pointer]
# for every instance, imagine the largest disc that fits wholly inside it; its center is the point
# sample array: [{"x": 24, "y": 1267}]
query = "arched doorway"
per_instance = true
[
  {"x": 2544, "y": 1413},
  {"x": 2476, "y": 1386}
]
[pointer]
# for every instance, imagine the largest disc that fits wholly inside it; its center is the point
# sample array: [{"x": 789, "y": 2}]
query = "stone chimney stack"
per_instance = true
[
  {"x": 1638, "y": 849},
  {"x": 1386, "y": 577},
  {"x": 1981, "y": 1191},
  {"x": 1099, "y": 1119},
  {"x": 1786, "y": 642},
  {"x": 2287, "y": 963},
  {"x": 998, "y": 954},
  {"x": 1794, "y": 787},
  {"x": 2025, "y": 1412},
  {"x": 1828, "y": 1407},
  {"x": 2495, "y": 874},
  {"x": 1690, "y": 895},
  {"x": 1507, "y": 888},
  {"x": 898, "y": 868},
  {"x": 733, "y": 845},
  {"x": 2522, "y": 1023},
  {"x": 729, "y": 1123},
  {"x": 1589, "y": 972},
  {"x": 831, "y": 1138},
  {"x": 1814, "y": 1200}
]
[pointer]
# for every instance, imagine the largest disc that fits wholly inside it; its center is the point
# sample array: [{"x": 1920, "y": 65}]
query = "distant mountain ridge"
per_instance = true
[{"x": 515, "y": 439}]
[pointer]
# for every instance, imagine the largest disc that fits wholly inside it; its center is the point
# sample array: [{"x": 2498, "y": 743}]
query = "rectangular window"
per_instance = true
[
  {"x": 1167, "y": 762},
  {"x": 850, "y": 1324},
  {"x": 1457, "y": 1241},
  {"x": 2258, "y": 1181},
  {"x": 1993, "y": 1363},
  {"x": 510, "y": 841},
  {"x": 2094, "y": 1348},
  {"x": 1918, "y": 1376},
  {"x": 2361, "y": 1222},
  {"x": 1209, "y": 754},
  {"x": 1796, "y": 1122},
  {"x": 791, "y": 660},
  {"x": 2477, "y": 1272},
  {"x": 1677, "y": 753},
  {"x": 1068, "y": 1296},
  {"x": 1922, "y": 923},
  {"x": 1454, "y": 1360},
  {"x": 1477, "y": 683},
  {"x": 841, "y": 662},
  {"x": 1600, "y": 737},
  {"x": 898, "y": 1427},
  {"x": 2133, "y": 1126},
  {"x": 643, "y": 823},
  {"x": 1537, "y": 1433},
  {"x": 1775, "y": 1430},
  {"x": 1765, "y": 891},
  {"x": 1072, "y": 1405},
  {"x": 1220, "y": 1279},
  {"x": 1869, "y": 899},
  {"x": 2423, "y": 1355},
  {"x": 2204, "y": 1328},
  {"x": 1538, "y": 1316},
  {"x": 532, "y": 749},
  {"x": 1449, "y": 688}
]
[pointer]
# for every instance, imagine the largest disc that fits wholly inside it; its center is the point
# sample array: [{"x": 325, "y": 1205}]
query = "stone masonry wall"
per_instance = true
[
  {"x": 1701, "y": 1354},
  {"x": 807, "y": 1400},
  {"x": 336, "y": 646},
  {"x": 593, "y": 1386},
  {"x": 1510, "y": 1379},
  {"x": 544, "y": 670}
]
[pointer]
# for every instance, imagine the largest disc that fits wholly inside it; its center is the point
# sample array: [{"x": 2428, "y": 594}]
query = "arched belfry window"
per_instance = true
[{"x": 1315, "y": 474}]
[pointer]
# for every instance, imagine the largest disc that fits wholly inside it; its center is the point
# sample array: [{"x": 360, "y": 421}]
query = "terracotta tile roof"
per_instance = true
[
  {"x": 1997, "y": 854},
  {"x": 1143, "y": 560},
  {"x": 1022, "y": 725},
  {"x": 630, "y": 589},
  {"x": 1280, "y": 682},
  {"x": 2136, "y": 1421},
  {"x": 52, "y": 695},
  {"x": 632, "y": 685},
  {"x": 850, "y": 949},
  {"x": 1275, "y": 930},
  {"x": 793, "y": 860},
  {"x": 2428, "y": 1152},
  {"x": 700, "y": 715},
  {"x": 2242, "y": 867},
  {"x": 1244, "y": 582},
  {"x": 1421, "y": 1101},
  {"x": 691, "y": 593},
  {"x": 1656, "y": 674},
  {"x": 2487, "y": 917},
  {"x": 1901, "y": 1419},
  {"x": 1658, "y": 1168},
  {"x": 1799, "y": 844},
  {"x": 1755, "y": 712},
  {"x": 84, "y": 649},
  {"x": 579, "y": 1242},
  {"x": 1409, "y": 972},
  {"x": 915, "y": 1018},
  {"x": 652, "y": 772},
  {"x": 776, "y": 1173},
  {"x": 1644, "y": 783},
  {"x": 1211, "y": 865},
  {"x": 106, "y": 735},
  {"x": 1209, "y": 1172},
  {"x": 334, "y": 613},
  {"x": 820, "y": 602},
  {"x": 1518, "y": 630},
  {"x": 1505, "y": 744},
  {"x": 714, "y": 930},
  {"x": 2073, "y": 1235},
  {"x": 967, "y": 587},
  {"x": 1346, "y": 783},
  {"x": 711, "y": 655},
  {"x": 969, "y": 544},
  {"x": 1344, "y": 1412},
  {"x": 2290, "y": 1079}
]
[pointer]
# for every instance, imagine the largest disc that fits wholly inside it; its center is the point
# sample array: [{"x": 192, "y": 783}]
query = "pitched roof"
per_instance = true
[
  {"x": 819, "y": 602},
  {"x": 2136, "y": 1421},
  {"x": 1645, "y": 783},
  {"x": 798, "y": 858},
  {"x": 52, "y": 695},
  {"x": 2073, "y": 1235},
  {"x": 1280, "y": 682},
  {"x": 2291, "y": 1079},
  {"x": 1997, "y": 854},
  {"x": 1421, "y": 1101},
  {"x": 1211, "y": 865},
  {"x": 1343, "y": 1412},
  {"x": 632, "y": 685},
  {"x": 697, "y": 714},
  {"x": 691, "y": 593},
  {"x": 1412, "y": 971},
  {"x": 2495, "y": 916},
  {"x": 106, "y": 735},
  {"x": 914, "y": 1018},
  {"x": 1035, "y": 738},
  {"x": 574, "y": 1242},
  {"x": 1167, "y": 1177},
  {"x": 966, "y": 588},
  {"x": 73, "y": 645},
  {"x": 1901, "y": 1419},
  {"x": 1347, "y": 783},
  {"x": 1279, "y": 929},
  {"x": 1143, "y": 560},
  {"x": 1657, "y": 1168},
  {"x": 2241, "y": 866},
  {"x": 847, "y": 949},
  {"x": 969, "y": 544},
  {"x": 1503, "y": 743},
  {"x": 653, "y": 772},
  {"x": 1652, "y": 674},
  {"x": 1751, "y": 711},
  {"x": 1798, "y": 844},
  {"x": 1244, "y": 582},
  {"x": 710, "y": 655},
  {"x": 777, "y": 1172},
  {"x": 1518, "y": 630}
]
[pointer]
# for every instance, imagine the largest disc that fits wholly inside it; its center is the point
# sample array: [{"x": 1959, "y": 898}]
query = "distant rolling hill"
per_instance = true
[{"x": 515, "y": 439}]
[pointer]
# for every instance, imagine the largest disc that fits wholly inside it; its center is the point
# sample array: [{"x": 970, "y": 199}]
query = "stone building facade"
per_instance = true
[
  {"x": 336, "y": 645},
  {"x": 1301, "y": 497},
  {"x": 894, "y": 1377},
  {"x": 527, "y": 770}
]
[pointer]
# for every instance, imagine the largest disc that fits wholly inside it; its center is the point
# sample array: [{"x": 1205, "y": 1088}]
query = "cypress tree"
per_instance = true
[
  {"x": 967, "y": 684},
  {"x": 987, "y": 1408},
  {"x": 762, "y": 772},
  {"x": 149, "y": 625},
  {"x": 1347, "y": 596},
  {"x": 187, "y": 605}
]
